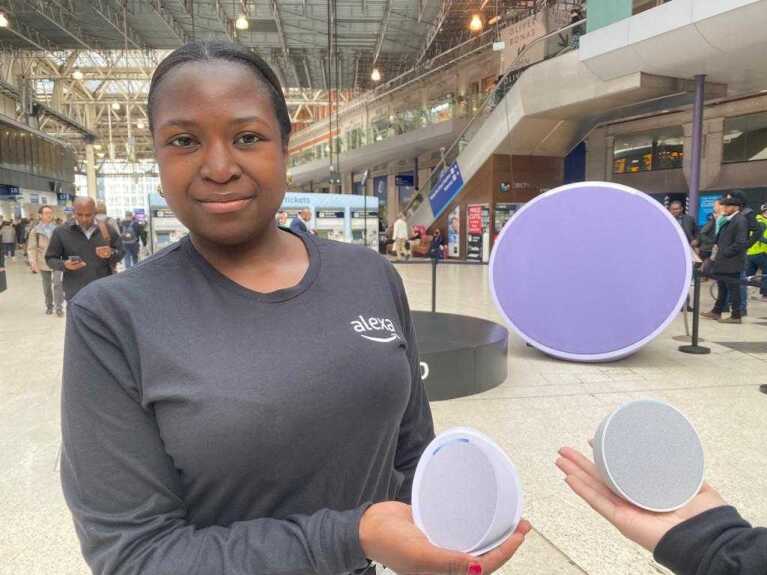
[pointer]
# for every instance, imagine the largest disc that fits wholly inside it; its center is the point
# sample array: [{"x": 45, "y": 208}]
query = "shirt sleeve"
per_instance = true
[
  {"x": 54, "y": 255},
  {"x": 32, "y": 254},
  {"x": 717, "y": 542},
  {"x": 417, "y": 428},
  {"x": 125, "y": 493}
]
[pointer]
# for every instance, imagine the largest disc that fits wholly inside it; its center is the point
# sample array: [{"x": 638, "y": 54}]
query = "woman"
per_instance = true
[{"x": 249, "y": 399}]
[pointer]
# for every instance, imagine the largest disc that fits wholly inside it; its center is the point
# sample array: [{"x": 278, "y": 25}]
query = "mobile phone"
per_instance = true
[{"x": 74, "y": 259}]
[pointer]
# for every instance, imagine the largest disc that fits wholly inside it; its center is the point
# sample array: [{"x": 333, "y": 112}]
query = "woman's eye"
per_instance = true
[
  {"x": 182, "y": 142},
  {"x": 247, "y": 139}
]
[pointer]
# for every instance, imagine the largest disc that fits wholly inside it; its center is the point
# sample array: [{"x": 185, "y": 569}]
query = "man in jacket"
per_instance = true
[
  {"x": 686, "y": 221},
  {"x": 753, "y": 234},
  {"x": 757, "y": 253},
  {"x": 729, "y": 260},
  {"x": 37, "y": 245},
  {"x": 83, "y": 249}
]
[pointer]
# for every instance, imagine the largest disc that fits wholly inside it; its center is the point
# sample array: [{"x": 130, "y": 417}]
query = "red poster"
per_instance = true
[{"x": 474, "y": 215}]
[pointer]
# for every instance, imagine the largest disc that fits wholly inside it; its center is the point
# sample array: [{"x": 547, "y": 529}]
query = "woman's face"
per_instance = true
[{"x": 218, "y": 145}]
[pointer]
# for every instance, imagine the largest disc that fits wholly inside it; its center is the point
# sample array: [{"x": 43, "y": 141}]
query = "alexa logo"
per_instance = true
[{"x": 382, "y": 328}]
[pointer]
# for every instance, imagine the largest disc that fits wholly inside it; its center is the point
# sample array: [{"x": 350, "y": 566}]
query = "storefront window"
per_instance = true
[
  {"x": 745, "y": 138},
  {"x": 658, "y": 150}
]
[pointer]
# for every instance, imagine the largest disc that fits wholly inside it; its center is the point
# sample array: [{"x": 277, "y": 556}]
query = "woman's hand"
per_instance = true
[
  {"x": 389, "y": 536},
  {"x": 643, "y": 527}
]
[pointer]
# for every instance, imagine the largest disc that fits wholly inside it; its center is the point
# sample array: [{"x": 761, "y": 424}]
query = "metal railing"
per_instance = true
[{"x": 493, "y": 98}]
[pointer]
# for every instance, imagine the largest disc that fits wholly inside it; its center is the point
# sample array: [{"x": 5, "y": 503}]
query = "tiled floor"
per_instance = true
[{"x": 543, "y": 405}]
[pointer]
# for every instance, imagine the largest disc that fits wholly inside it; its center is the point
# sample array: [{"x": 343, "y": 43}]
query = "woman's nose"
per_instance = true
[{"x": 219, "y": 164}]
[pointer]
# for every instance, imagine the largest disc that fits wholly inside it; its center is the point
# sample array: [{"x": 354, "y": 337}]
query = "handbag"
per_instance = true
[{"x": 104, "y": 229}]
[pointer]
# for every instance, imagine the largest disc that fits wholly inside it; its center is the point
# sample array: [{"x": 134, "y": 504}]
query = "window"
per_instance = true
[
  {"x": 642, "y": 5},
  {"x": 745, "y": 138},
  {"x": 658, "y": 150}
]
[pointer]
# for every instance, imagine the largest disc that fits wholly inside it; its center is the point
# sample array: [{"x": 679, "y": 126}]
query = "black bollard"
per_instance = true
[
  {"x": 433, "y": 285},
  {"x": 695, "y": 348}
]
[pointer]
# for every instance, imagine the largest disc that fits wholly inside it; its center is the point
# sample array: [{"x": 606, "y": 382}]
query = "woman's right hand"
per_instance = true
[{"x": 390, "y": 537}]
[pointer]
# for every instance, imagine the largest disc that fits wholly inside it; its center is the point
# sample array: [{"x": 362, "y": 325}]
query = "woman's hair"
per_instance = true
[
  {"x": 199, "y": 51},
  {"x": 43, "y": 208}
]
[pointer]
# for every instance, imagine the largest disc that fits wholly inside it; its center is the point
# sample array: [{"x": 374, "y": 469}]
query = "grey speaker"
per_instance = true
[
  {"x": 649, "y": 454},
  {"x": 466, "y": 493}
]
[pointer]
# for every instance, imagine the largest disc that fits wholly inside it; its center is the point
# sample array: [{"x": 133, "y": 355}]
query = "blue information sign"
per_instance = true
[
  {"x": 448, "y": 185},
  {"x": 706, "y": 206},
  {"x": 9, "y": 190}
]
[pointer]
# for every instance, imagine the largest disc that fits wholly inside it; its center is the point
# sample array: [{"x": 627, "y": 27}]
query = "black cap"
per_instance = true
[
  {"x": 728, "y": 200},
  {"x": 763, "y": 208},
  {"x": 738, "y": 196}
]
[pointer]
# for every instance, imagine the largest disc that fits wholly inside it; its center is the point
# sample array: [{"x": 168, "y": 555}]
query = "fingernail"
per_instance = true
[{"x": 474, "y": 569}]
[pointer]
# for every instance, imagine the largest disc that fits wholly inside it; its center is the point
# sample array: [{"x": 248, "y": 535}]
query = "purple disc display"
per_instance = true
[{"x": 590, "y": 271}]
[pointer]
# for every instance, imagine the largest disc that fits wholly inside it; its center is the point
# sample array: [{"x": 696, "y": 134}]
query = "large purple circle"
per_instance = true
[{"x": 590, "y": 271}]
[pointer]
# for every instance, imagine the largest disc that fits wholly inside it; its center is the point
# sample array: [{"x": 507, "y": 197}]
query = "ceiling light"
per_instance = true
[
  {"x": 115, "y": 105},
  {"x": 242, "y": 22},
  {"x": 96, "y": 146},
  {"x": 3, "y": 20},
  {"x": 77, "y": 75},
  {"x": 375, "y": 75},
  {"x": 493, "y": 20},
  {"x": 476, "y": 23},
  {"x": 140, "y": 124}
]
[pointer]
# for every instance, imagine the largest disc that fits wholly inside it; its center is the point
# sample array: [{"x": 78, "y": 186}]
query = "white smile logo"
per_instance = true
[{"x": 362, "y": 326}]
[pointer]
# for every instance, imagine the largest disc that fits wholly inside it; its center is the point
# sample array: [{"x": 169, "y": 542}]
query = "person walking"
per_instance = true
[
  {"x": 37, "y": 244},
  {"x": 8, "y": 238},
  {"x": 401, "y": 238},
  {"x": 129, "y": 234},
  {"x": 729, "y": 261},
  {"x": 84, "y": 250},
  {"x": 757, "y": 253},
  {"x": 298, "y": 225}
]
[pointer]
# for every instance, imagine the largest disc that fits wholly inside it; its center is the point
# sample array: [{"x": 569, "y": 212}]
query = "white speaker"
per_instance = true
[
  {"x": 649, "y": 454},
  {"x": 466, "y": 493}
]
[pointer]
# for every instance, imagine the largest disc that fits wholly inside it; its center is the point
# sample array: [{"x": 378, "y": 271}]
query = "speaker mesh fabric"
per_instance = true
[
  {"x": 653, "y": 455},
  {"x": 458, "y": 496}
]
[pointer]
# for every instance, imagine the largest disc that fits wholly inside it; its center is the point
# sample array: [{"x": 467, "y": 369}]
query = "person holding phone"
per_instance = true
[{"x": 84, "y": 250}]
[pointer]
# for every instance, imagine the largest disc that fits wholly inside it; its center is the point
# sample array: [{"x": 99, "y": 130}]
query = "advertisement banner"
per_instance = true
[
  {"x": 517, "y": 36},
  {"x": 477, "y": 228},
  {"x": 140, "y": 215},
  {"x": 447, "y": 187},
  {"x": 454, "y": 233}
]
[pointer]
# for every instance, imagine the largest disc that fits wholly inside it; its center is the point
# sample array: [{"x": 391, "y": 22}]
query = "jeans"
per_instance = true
[
  {"x": 131, "y": 255},
  {"x": 728, "y": 288},
  {"x": 9, "y": 249},
  {"x": 755, "y": 263},
  {"x": 743, "y": 289},
  {"x": 53, "y": 289}
]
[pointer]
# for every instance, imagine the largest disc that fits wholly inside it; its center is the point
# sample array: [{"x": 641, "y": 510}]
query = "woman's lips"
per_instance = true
[{"x": 225, "y": 207}]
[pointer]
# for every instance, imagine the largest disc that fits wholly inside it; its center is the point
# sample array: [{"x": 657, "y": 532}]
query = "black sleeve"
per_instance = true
[
  {"x": 717, "y": 542},
  {"x": 125, "y": 493},
  {"x": 116, "y": 244},
  {"x": 55, "y": 254},
  {"x": 416, "y": 428}
]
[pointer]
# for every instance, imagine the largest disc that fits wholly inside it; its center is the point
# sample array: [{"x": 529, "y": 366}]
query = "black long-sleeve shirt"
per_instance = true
[
  {"x": 69, "y": 240},
  {"x": 212, "y": 430},
  {"x": 717, "y": 542}
]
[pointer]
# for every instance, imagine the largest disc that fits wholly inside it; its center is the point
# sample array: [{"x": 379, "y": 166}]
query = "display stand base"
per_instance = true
[{"x": 695, "y": 349}]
